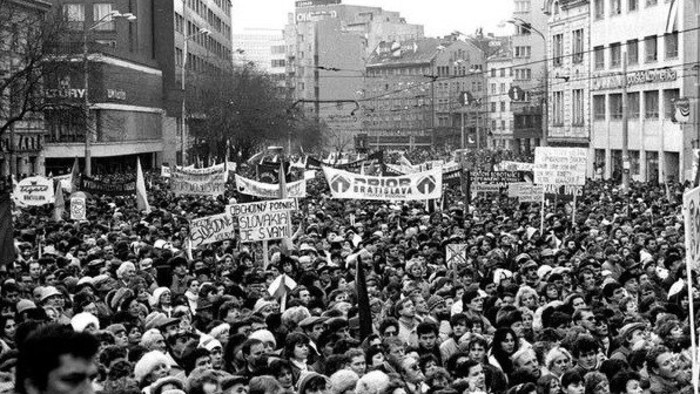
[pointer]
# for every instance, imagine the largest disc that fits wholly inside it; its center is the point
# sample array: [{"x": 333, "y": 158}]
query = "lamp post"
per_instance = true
[
  {"x": 183, "y": 134},
  {"x": 545, "y": 101},
  {"x": 109, "y": 17}
]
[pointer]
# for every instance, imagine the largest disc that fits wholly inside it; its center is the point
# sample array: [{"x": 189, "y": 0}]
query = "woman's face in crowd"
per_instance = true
[
  {"x": 529, "y": 300},
  {"x": 135, "y": 335},
  {"x": 477, "y": 352},
  {"x": 10, "y": 328},
  {"x": 377, "y": 359},
  {"x": 285, "y": 378},
  {"x": 194, "y": 287},
  {"x": 633, "y": 387},
  {"x": 561, "y": 364},
  {"x": 301, "y": 351},
  {"x": 160, "y": 371},
  {"x": 508, "y": 344},
  {"x": 552, "y": 292},
  {"x": 165, "y": 298},
  {"x": 554, "y": 387}
]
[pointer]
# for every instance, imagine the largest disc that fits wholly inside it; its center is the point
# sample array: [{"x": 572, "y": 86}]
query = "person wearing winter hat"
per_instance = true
[
  {"x": 126, "y": 273},
  {"x": 267, "y": 338},
  {"x": 85, "y": 322},
  {"x": 374, "y": 382},
  {"x": 153, "y": 340},
  {"x": 203, "y": 380},
  {"x": 121, "y": 338},
  {"x": 313, "y": 382},
  {"x": 151, "y": 367},
  {"x": 166, "y": 385},
  {"x": 161, "y": 301},
  {"x": 596, "y": 382},
  {"x": 264, "y": 384},
  {"x": 215, "y": 349},
  {"x": 344, "y": 382}
]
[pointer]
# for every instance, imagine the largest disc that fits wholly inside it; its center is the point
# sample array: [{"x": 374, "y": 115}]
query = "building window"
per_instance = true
[
  {"x": 178, "y": 57},
  {"x": 599, "y": 54},
  {"x": 632, "y": 5},
  {"x": 503, "y": 87},
  {"x": 578, "y": 46},
  {"x": 522, "y": 5},
  {"x": 615, "y": 55},
  {"x": 651, "y": 3},
  {"x": 493, "y": 88},
  {"x": 670, "y": 97},
  {"x": 650, "y": 49},
  {"x": 503, "y": 72},
  {"x": 558, "y": 108},
  {"x": 74, "y": 14},
  {"x": 101, "y": 16},
  {"x": 671, "y": 44},
  {"x": 493, "y": 72},
  {"x": 651, "y": 104},
  {"x": 632, "y": 52},
  {"x": 276, "y": 63},
  {"x": 615, "y": 7},
  {"x": 503, "y": 106},
  {"x": 523, "y": 74},
  {"x": 615, "y": 104},
  {"x": 633, "y": 106},
  {"x": 599, "y": 9},
  {"x": 493, "y": 107},
  {"x": 599, "y": 107},
  {"x": 522, "y": 52},
  {"x": 577, "y": 99},
  {"x": 557, "y": 49},
  {"x": 179, "y": 23}
]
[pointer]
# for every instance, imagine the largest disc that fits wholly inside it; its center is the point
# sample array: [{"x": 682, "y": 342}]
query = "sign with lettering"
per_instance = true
[
  {"x": 95, "y": 186},
  {"x": 491, "y": 181},
  {"x": 165, "y": 171},
  {"x": 269, "y": 190},
  {"x": 34, "y": 191},
  {"x": 526, "y": 192},
  {"x": 198, "y": 182},
  {"x": 211, "y": 229},
  {"x": 425, "y": 185},
  {"x": 78, "y": 208},
  {"x": 614, "y": 81},
  {"x": 264, "y": 220},
  {"x": 560, "y": 166},
  {"x": 315, "y": 3},
  {"x": 456, "y": 255},
  {"x": 691, "y": 214},
  {"x": 514, "y": 166}
]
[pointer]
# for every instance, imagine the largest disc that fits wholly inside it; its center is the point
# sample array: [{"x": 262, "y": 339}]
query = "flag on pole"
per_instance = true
[
  {"x": 672, "y": 17},
  {"x": 280, "y": 287},
  {"x": 7, "y": 243},
  {"x": 75, "y": 176},
  {"x": 365, "y": 314},
  {"x": 141, "y": 197},
  {"x": 59, "y": 204}
]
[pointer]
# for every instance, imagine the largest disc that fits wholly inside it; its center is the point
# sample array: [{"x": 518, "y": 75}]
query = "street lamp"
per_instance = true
[
  {"x": 201, "y": 31},
  {"x": 545, "y": 102},
  {"x": 109, "y": 17}
]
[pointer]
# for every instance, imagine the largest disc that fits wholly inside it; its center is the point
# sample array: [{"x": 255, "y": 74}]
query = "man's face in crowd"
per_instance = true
[
  {"x": 73, "y": 375},
  {"x": 256, "y": 353},
  {"x": 81, "y": 255},
  {"x": 315, "y": 331},
  {"x": 358, "y": 365},
  {"x": 476, "y": 304},
  {"x": 477, "y": 352},
  {"x": 427, "y": 340},
  {"x": 667, "y": 367},
  {"x": 588, "y": 321},
  {"x": 588, "y": 359},
  {"x": 35, "y": 270},
  {"x": 528, "y": 364},
  {"x": 408, "y": 310}
]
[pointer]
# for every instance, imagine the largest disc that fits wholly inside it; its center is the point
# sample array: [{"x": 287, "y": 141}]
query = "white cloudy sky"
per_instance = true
[{"x": 439, "y": 17}]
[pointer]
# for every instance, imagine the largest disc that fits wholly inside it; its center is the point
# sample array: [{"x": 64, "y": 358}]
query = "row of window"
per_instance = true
[
  {"x": 609, "y": 106},
  {"x": 577, "y": 45},
  {"x": 651, "y": 51},
  {"x": 195, "y": 63},
  {"x": 577, "y": 107},
  {"x": 615, "y": 7},
  {"x": 74, "y": 14}
]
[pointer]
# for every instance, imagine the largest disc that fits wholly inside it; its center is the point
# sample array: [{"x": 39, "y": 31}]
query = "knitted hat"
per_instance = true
[
  {"x": 434, "y": 301},
  {"x": 260, "y": 304},
  {"x": 83, "y": 320},
  {"x": 265, "y": 336},
  {"x": 148, "y": 363},
  {"x": 343, "y": 380}
]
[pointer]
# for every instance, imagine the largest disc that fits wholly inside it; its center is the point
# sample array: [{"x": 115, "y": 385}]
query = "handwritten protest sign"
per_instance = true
[
  {"x": 78, "y": 208},
  {"x": 198, "y": 182},
  {"x": 560, "y": 166},
  {"x": 34, "y": 191},
  {"x": 526, "y": 192},
  {"x": 211, "y": 229},
  {"x": 514, "y": 166},
  {"x": 492, "y": 181},
  {"x": 165, "y": 171},
  {"x": 269, "y": 190},
  {"x": 264, "y": 220},
  {"x": 691, "y": 213},
  {"x": 456, "y": 254}
]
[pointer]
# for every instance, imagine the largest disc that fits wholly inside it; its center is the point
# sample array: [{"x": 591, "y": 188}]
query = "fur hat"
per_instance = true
[
  {"x": 157, "y": 293},
  {"x": 83, "y": 320},
  {"x": 149, "y": 338},
  {"x": 374, "y": 382},
  {"x": 343, "y": 380},
  {"x": 148, "y": 363},
  {"x": 264, "y": 336}
]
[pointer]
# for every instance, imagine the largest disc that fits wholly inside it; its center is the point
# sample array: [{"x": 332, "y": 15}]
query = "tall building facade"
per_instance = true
[
  {"x": 263, "y": 48},
  {"x": 529, "y": 74},
  {"x": 656, "y": 53},
  {"x": 415, "y": 91},
  {"x": 328, "y": 44},
  {"x": 568, "y": 62},
  {"x": 499, "y": 80},
  {"x": 118, "y": 77}
]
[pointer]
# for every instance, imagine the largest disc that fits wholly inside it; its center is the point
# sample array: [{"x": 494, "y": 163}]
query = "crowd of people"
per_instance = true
[{"x": 596, "y": 303}]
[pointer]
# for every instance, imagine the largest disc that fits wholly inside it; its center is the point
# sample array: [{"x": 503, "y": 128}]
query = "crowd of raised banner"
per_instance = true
[{"x": 387, "y": 273}]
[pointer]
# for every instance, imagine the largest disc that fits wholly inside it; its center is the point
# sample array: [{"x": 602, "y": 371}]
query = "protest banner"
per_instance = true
[
  {"x": 526, "y": 192},
  {"x": 210, "y": 229},
  {"x": 263, "y": 220},
  {"x": 419, "y": 186},
  {"x": 78, "y": 208},
  {"x": 514, "y": 166},
  {"x": 453, "y": 177},
  {"x": 455, "y": 255},
  {"x": 34, "y": 191},
  {"x": 198, "y": 182},
  {"x": 269, "y": 190},
  {"x": 691, "y": 216},
  {"x": 491, "y": 181},
  {"x": 560, "y": 166},
  {"x": 165, "y": 171},
  {"x": 94, "y": 186},
  {"x": 563, "y": 192}
]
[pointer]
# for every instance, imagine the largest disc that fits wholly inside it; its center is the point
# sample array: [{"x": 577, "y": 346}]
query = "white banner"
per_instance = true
[
  {"x": 560, "y": 166},
  {"x": 514, "y": 166},
  {"x": 165, "y": 171},
  {"x": 78, "y": 208},
  {"x": 66, "y": 182},
  {"x": 211, "y": 229},
  {"x": 264, "y": 220},
  {"x": 526, "y": 192},
  {"x": 269, "y": 190},
  {"x": 210, "y": 183},
  {"x": 691, "y": 213},
  {"x": 419, "y": 186},
  {"x": 34, "y": 191}
]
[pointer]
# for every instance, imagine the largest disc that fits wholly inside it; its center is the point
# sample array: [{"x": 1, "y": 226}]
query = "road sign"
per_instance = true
[
  {"x": 516, "y": 93},
  {"x": 466, "y": 98}
]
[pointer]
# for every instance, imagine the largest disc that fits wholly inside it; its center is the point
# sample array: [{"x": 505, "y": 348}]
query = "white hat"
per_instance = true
[{"x": 83, "y": 320}]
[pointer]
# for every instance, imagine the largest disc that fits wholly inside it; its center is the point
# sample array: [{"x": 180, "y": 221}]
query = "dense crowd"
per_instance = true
[{"x": 117, "y": 304}]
